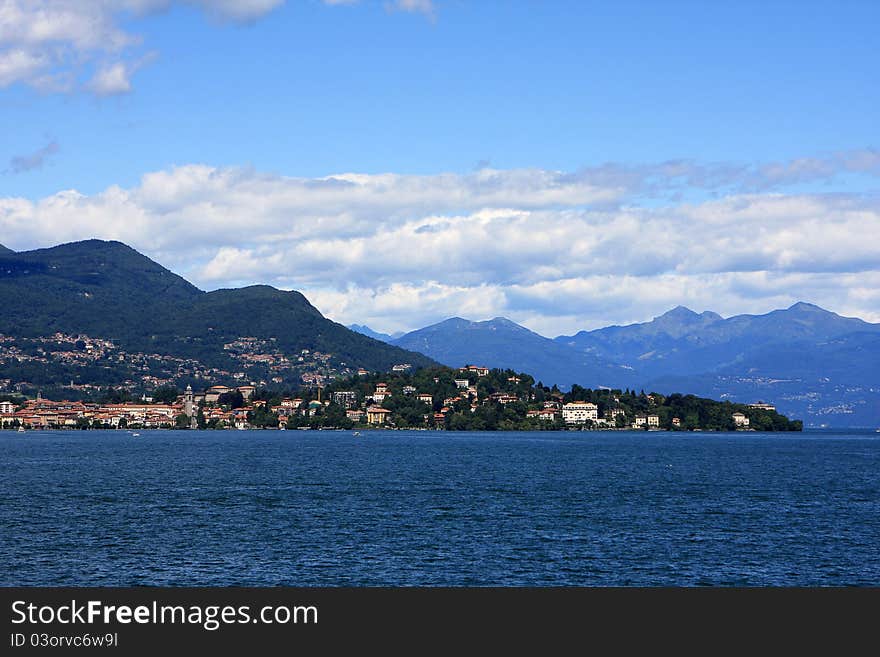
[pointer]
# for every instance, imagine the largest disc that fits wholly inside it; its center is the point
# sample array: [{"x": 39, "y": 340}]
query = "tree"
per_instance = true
[
  {"x": 165, "y": 394},
  {"x": 181, "y": 421},
  {"x": 115, "y": 396},
  {"x": 233, "y": 399},
  {"x": 334, "y": 416},
  {"x": 261, "y": 416}
]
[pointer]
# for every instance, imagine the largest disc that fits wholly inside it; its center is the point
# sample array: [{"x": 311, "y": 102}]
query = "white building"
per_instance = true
[
  {"x": 740, "y": 420},
  {"x": 462, "y": 384},
  {"x": 345, "y": 398},
  {"x": 381, "y": 393},
  {"x": 580, "y": 412}
]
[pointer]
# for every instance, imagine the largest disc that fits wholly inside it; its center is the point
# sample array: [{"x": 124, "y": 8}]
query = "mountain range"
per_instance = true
[
  {"x": 502, "y": 343},
  {"x": 811, "y": 362}
]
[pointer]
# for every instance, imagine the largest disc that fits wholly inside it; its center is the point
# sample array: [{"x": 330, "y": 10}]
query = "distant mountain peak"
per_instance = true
[
  {"x": 503, "y": 322},
  {"x": 452, "y": 322},
  {"x": 94, "y": 245},
  {"x": 681, "y": 319},
  {"x": 679, "y": 312},
  {"x": 363, "y": 329},
  {"x": 500, "y": 342},
  {"x": 683, "y": 313},
  {"x": 5, "y": 250},
  {"x": 803, "y": 306}
]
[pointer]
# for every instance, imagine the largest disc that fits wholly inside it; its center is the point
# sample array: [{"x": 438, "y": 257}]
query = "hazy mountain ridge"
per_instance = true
[
  {"x": 814, "y": 363},
  {"x": 709, "y": 340},
  {"x": 363, "y": 329},
  {"x": 499, "y": 342}
]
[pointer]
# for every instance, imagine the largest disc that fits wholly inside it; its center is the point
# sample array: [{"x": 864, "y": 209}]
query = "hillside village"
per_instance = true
[
  {"x": 86, "y": 365},
  {"x": 469, "y": 398}
]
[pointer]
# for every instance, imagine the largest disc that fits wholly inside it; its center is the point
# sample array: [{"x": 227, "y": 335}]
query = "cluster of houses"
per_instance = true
[
  {"x": 572, "y": 413},
  {"x": 42, "y": 413}
]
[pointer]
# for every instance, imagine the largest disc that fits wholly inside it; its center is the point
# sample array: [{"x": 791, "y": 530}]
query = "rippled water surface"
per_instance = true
[{"x": 432, "y": 508}]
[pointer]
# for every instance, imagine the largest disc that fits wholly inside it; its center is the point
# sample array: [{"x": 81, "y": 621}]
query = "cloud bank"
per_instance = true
[{"x": 554, "y": 250}]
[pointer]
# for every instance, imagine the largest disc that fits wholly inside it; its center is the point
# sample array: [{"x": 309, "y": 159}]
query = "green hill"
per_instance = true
[{"x": 108, "y": 290}]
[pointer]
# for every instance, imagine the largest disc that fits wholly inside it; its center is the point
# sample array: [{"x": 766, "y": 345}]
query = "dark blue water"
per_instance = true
[{"x": 424, "y": 508}]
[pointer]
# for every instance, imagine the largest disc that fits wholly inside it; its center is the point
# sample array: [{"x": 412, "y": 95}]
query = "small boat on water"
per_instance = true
[
  {"x": 135, "y": 435},
  {"x": 21, "y": 429},
  {"x": 356, "y": 433}
]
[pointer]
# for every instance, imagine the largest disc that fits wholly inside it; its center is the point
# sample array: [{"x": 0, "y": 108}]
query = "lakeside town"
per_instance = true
[{"x": 469, "y": 398}]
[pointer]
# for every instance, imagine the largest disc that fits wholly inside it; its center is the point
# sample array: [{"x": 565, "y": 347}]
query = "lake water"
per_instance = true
[{"x": 432, "y": 508}]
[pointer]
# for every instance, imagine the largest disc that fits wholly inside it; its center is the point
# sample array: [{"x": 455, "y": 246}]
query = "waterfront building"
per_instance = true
[
  {"x": 740, "y": 420},
  {"x": 580, "y": 412},
  {"x": 377, "y": 415},
  {"x": 544, "y": 414}
]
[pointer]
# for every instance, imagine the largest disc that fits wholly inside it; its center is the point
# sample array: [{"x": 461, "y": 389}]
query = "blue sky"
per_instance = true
[{"x": 772, "y": 105}]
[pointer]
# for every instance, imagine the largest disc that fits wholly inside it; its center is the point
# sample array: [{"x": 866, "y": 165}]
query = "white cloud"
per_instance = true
[
  {"x": 60, "y": 46},
  {"x": 18, "y": 64},
  {"x": 111, "y": 80},
  {"x": 425, "y": 7},
  {"x": 556, "y": 251},
  {"x": 53, "y": 45}
]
